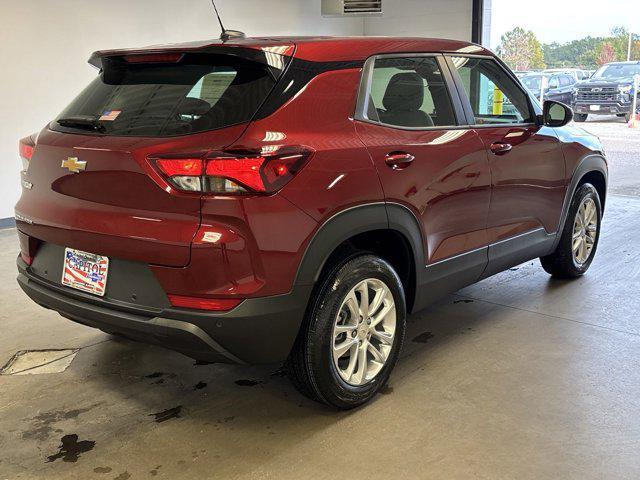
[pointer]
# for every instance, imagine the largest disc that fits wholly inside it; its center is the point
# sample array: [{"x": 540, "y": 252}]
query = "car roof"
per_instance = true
[
  {"x": 319, "y": 49},
  {"x": 546, "y": 74}
]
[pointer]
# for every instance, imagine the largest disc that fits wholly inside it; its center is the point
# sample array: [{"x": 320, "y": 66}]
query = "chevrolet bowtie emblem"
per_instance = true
[{"x": 73, "y": 164}]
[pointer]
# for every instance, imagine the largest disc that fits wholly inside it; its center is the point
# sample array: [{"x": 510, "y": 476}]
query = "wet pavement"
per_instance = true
[{"x": 519, "y": 376}]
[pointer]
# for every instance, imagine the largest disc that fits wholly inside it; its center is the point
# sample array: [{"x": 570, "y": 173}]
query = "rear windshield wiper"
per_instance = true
[{"x": 86, "y": 123}]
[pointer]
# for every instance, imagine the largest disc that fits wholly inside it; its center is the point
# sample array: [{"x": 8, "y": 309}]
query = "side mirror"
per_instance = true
[{"x": 556, "y": 114}]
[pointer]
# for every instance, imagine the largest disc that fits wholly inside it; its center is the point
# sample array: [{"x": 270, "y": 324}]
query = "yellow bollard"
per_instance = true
[{"x": 498, "y": 99}]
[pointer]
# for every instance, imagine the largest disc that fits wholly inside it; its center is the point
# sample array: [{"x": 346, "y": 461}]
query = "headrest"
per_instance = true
[{"x": 404, "y": 92}]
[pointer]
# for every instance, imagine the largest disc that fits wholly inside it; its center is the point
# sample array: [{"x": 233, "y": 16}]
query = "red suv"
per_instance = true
[{"x": 293, "y": 199}]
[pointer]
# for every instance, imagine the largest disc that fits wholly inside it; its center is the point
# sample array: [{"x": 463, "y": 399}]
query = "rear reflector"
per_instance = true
[
  {"x": 27, "y": 259},
  {"x": 219, "y": 305},
  {"x": 28, "y": 245},
  {"x": 26, "y": 151},
  {"x": 234, "y": 172}
]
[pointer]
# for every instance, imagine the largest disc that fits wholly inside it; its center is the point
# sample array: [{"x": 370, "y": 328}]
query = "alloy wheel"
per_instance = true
[
  {"x": 585, "y": 230},
  {"x": 364, "y": 331}
]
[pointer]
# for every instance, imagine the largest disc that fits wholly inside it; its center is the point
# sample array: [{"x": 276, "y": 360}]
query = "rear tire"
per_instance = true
[
  {"x": 579, "y": 241},
  {"x": 342, "y": 327},
  {"x": 580, "y": 117}
]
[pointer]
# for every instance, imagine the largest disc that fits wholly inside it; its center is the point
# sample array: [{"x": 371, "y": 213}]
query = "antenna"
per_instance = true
[
  {"x": 226, "y": 34},
  {"x": 218, "y": 15}
]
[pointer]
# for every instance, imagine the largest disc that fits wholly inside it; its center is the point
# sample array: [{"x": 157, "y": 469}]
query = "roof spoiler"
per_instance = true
[{"x": 262, "y": 51}]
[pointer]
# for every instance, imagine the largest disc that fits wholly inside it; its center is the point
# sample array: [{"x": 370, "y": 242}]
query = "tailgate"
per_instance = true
[
  {"x": 113, "y": 207},
  {"x": 93, "y": 188}
]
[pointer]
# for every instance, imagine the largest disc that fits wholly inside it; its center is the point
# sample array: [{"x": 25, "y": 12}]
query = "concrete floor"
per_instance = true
[{"x": 517, "y": 377}]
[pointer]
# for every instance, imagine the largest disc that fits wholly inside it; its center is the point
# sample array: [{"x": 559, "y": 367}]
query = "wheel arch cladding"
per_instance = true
[
  {"x": 388, "y": 230},
  {"x": 591, "y": 169},
  {"x": 599, "y": 181}
]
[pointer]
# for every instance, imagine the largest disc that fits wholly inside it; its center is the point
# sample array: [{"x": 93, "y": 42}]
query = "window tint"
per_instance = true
[
  {"x": 409, "y": 92},
  {"x": 566, "y": 80},
  {"x": 554, "y": 82},
  {"x": 212, "y": 86},
  {"x": 495, "y": 97},
  {"x": 200, "y": 93},
  {"x": 532, "y": 82}
]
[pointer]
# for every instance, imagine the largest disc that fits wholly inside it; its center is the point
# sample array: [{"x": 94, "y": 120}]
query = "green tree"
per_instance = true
[
  {"x": 521, "y": 50},
  {"x": 619, "y": 41},
  {"x": 537, "y": 57},
  {"x": 577, "y": 53}
]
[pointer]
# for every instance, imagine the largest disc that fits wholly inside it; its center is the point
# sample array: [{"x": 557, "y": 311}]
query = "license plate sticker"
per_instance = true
[
  {"x": 594, "y": 108},
  {"x": 85, "y": 271}
]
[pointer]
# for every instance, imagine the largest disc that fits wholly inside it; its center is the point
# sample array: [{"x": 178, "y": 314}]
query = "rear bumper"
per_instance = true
[{"x": 259, "y": 330}]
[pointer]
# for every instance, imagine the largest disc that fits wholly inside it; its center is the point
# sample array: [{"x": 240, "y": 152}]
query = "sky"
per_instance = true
[{"x": 563, "y": 20}]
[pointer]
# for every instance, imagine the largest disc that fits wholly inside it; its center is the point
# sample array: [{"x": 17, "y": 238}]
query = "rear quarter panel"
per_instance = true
[
  {"x": 264, "y": 238},
  {"x": 340, "y": 173}
]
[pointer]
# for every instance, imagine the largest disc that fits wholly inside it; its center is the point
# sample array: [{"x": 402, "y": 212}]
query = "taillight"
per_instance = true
[
  {"x": 234, "y": 171},
  {"x": 26, "y": 147},
  {"x": 196, "y": 303},
  {"x": 183, "y": 173}
]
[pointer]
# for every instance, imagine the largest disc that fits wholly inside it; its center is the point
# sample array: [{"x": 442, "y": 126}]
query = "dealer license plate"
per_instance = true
[{"x": 85, "y": 271}]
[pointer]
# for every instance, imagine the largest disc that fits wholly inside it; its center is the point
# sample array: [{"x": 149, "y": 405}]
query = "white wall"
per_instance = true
[
  {"x": 423, "y": 18},
  {"x": 487, "y": 21},
  {"x": 45, "y": 44}
]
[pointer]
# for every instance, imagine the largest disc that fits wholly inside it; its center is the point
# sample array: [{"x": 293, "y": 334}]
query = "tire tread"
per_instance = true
[{"x": 301, "y": 365}]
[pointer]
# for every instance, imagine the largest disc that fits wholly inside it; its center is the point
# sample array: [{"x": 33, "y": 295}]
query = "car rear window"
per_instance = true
[{"x": 199, "y": 93}]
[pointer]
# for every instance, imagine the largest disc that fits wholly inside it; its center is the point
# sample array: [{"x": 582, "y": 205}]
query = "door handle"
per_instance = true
[
  {"x": 398, "y": 160},
  {"x": 500, "y": 148}
]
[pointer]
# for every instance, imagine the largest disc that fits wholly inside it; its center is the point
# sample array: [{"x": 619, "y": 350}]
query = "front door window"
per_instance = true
[{"x": 495, "y": 97}]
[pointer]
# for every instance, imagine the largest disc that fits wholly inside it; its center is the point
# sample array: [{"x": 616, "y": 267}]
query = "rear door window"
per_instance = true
[
  {"x": 200, "y": 93},
  {"x": 409, "y": 92},
  {"x": 495, "y": 97}
]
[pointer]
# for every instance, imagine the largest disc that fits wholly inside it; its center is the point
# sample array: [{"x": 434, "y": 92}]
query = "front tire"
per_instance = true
[
  {"x": 580, "y": 236},
  {"x": 352, "y": 334},
  {"x": 580, "y": 117}
]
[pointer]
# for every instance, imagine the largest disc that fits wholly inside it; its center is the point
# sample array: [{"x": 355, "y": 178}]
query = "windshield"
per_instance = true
[
  {"x": 617, "y": 71},
  {"x": 199, "y": 93}
]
